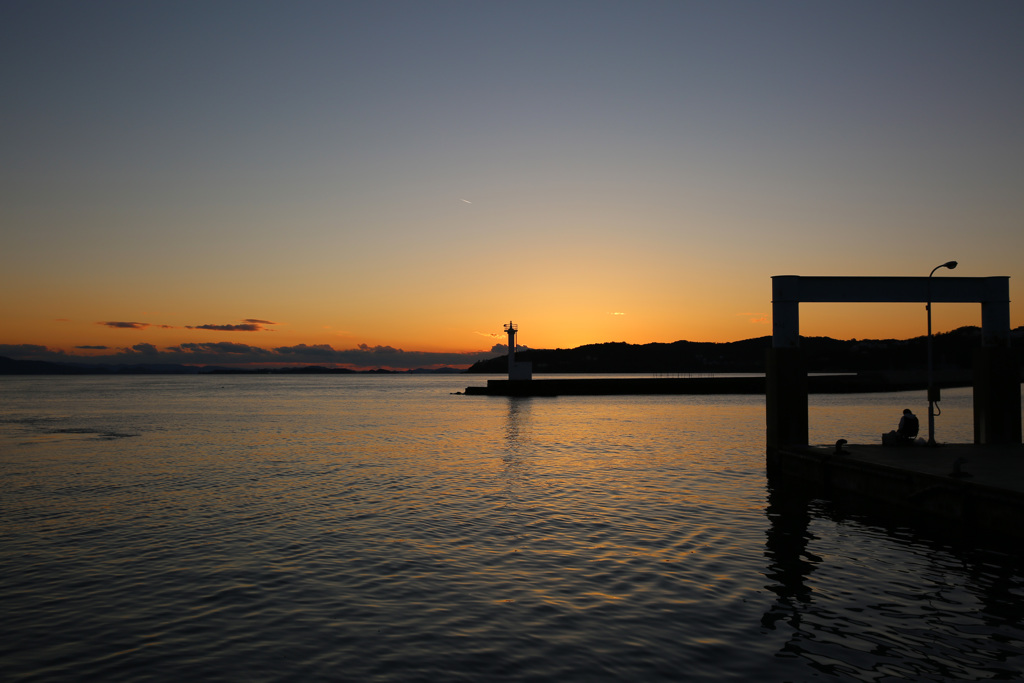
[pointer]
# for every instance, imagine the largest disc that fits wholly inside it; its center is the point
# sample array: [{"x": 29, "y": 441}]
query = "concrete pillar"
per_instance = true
[
  {"x": 785, "y": 370},
  {"x": 995, "y": 312},
  {"x": 996, "y": 396},
  {"x": 786, "y": 398},
  {"x": 996, "y": 374},
  {"x": 785, "y": 311}
]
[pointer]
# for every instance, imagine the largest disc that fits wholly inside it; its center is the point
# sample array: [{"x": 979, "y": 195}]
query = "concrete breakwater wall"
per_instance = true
[
  {"x": 623, "y": 385},
  {"x": 823, "y": 384}
]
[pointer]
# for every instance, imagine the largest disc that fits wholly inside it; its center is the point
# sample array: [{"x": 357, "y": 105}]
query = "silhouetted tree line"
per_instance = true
[{"x": 951, "y": 351}]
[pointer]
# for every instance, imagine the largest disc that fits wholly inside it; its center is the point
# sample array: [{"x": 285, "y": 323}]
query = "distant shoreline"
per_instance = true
[{"x": 10, "y": 366}]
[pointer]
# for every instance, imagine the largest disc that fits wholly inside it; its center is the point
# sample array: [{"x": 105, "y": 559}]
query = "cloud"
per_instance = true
[
  {"x": 502, "y": 349},
  {"x": 243, "y": 327},
  {"x": 615, "y": 313},
  {"x": 126, "y": 326},
  {"x": 219, "y": 348},
  {"x": 94, "y": 348},
  {"x": 319, "y": 353},
  {"x": 134, "y": 326},
  {"x": 380, "y": 349},
  {"x": 27, "y": 351},
  {"x": 364, "y": 357},
  {"x": 490, "y": 335},
  {"x": 247, "y": 325}
]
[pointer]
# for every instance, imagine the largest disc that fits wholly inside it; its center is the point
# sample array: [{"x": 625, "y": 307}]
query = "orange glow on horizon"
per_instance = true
[{"x": 540, "y": 330}]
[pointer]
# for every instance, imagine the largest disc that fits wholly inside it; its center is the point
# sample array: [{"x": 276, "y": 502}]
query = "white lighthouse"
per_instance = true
[{"x": 516, "y": 370}]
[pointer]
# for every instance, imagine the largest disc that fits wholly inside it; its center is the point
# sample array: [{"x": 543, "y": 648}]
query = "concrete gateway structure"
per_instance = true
[{"x": 997, "y": 405}]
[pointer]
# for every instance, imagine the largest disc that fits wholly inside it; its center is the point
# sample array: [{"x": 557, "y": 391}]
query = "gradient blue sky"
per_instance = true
[{"x": 366, "y": 176}]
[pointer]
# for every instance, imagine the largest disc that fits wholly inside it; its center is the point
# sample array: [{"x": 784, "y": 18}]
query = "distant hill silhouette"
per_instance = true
[
  {"x": 952, "y": 351},
  {"x": 10, "y": 366}
]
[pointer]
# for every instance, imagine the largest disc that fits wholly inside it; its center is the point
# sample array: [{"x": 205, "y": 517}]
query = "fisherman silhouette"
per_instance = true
[{"x": 905, "y": 433}]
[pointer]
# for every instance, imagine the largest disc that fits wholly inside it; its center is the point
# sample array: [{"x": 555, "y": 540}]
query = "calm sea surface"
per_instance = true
[{"x": 379, "y": 528}]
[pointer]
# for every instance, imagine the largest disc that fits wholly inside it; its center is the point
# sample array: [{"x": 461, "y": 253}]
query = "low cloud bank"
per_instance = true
[
  {"x": 247, "y": 325},
  {"x": 235, "y": 354},
  {"x": 502, "y": 349}
]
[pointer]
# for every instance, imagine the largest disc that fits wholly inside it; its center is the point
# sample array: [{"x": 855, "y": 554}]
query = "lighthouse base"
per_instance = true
[{"x": 518, "y": 370}]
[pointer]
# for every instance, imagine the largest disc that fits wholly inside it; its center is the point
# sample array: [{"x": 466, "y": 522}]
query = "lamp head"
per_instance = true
[{"x": 950, "y": 264}]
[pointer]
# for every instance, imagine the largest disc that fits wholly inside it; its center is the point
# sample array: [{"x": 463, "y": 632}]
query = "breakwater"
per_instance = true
[{"x": 606, "y": 386}]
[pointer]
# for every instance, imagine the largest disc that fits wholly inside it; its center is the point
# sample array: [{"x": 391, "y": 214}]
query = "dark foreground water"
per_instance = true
[{"x": 378, "y": 528}]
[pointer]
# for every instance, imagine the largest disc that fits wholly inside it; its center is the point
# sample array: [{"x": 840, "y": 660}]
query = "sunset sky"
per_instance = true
[{"x": 329, "y": 182}]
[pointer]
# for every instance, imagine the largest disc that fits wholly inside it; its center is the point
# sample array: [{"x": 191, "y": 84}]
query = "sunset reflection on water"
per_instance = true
[{"x": 268, "y": 527}]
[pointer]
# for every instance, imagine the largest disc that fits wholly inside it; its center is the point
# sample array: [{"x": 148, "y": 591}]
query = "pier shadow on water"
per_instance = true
[{"x": 929, "y": 616}]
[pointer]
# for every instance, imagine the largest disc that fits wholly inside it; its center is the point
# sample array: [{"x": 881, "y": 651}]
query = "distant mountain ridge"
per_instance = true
[{"x": 951, "y": 350}]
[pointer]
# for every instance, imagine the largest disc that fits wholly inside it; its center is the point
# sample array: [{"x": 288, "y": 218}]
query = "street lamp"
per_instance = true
[{"x": 931, "y": 382}]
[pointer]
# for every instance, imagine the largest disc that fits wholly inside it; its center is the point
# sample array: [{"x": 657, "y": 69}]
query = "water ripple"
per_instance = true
[{"x": 315, "y": 532}]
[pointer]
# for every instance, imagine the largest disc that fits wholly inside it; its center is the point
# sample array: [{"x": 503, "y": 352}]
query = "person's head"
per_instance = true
[{"x": 906, "y": 411}]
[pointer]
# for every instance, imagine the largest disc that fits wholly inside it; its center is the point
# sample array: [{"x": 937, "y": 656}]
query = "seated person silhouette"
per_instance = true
[{"x": 905, "y": 433}]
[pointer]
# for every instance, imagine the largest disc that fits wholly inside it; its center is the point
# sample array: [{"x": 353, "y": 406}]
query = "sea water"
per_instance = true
[{"x": 384, "y": 528}]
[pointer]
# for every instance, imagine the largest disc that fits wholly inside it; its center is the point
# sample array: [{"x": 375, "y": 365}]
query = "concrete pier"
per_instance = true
[
  {"x": 977, "y": 490},
  {"x": 972, "y": 490}
]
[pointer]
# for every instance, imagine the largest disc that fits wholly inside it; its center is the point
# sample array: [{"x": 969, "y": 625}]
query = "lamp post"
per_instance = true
[{"x": 931, "y": 382}]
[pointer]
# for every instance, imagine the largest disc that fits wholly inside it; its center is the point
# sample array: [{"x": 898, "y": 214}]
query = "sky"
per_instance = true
[{"x": 385, "y": 184}]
